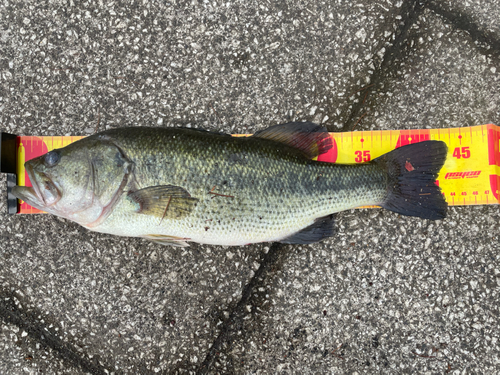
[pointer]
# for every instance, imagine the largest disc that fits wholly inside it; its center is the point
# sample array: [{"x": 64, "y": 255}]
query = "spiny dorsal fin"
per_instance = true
[
  {"x": 164, "y": 201},
  {"x": 310, "y": 138}
]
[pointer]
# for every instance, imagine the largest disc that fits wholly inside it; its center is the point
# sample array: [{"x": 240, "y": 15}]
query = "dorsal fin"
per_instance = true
[{"x": 310, "y": 138}]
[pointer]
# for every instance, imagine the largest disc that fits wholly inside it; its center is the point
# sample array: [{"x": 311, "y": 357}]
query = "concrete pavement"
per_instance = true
[{"x": 387, "y": 294}]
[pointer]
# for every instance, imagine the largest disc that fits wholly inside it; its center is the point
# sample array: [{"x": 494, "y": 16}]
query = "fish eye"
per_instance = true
[{"x": 52, "y": 158}]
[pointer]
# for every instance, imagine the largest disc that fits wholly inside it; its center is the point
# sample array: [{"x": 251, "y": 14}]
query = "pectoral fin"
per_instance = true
[
  {"x": 167, "y": 240},
  {"x": 164, "y": 201}
]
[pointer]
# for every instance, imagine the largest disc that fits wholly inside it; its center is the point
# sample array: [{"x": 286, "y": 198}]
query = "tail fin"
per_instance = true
[{"x": 412, "y": 172}]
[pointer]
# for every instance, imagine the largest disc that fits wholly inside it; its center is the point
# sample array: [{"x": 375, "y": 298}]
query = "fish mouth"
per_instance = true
[
  {"x": 34, "y": 182},
  {"x": 33, "y": 194},
  {"x": 29, "y": 195}
]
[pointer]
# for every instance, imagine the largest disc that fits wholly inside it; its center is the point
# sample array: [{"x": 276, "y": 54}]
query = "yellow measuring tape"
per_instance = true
[{"x": 470, "y": 175}]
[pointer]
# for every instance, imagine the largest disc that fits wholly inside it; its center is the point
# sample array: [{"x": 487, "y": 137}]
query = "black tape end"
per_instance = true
[
  {"x": 12, "y": 202},
  {"x": 8, "y": 165}
]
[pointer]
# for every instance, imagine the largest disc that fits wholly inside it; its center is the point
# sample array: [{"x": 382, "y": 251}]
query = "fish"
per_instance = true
[{"x": 174, "y": 186}]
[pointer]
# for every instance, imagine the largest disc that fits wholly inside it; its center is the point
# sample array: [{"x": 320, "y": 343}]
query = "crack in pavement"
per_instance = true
[
  {"x": 270, "y": 263},
  {"x": 12, "y": 314},
  {"x": 488, "y": 42},
  {"x": 410, "y": 12}
]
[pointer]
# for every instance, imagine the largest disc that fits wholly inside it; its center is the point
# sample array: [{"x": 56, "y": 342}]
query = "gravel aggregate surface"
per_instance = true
[{"x": 386, "y": 294}]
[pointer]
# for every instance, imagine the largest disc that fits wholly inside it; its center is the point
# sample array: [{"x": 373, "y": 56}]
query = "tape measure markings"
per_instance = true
[{"x": 470, "y": 175}]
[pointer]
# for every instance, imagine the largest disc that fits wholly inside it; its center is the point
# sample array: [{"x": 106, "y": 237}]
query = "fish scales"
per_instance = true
[
  {"x": 175, "y": 185},
  {"x": 249, "y": 189}
]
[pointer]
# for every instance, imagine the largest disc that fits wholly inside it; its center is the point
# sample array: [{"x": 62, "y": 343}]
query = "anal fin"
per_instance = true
[{"x": 322, "y": 228}]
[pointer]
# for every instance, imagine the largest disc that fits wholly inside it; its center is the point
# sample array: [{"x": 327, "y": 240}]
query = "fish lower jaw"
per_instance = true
[{"x": 29, "y": 195}]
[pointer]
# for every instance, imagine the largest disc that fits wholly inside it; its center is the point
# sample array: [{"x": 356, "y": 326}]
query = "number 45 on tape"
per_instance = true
[{"x": 470, "y": 175}]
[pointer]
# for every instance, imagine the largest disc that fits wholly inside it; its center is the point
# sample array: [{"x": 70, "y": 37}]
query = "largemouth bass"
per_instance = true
[{"x": 175, "y": 185}]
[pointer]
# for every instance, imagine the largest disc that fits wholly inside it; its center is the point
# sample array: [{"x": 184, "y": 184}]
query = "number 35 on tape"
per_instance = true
[{"x": 471, "y": 174}]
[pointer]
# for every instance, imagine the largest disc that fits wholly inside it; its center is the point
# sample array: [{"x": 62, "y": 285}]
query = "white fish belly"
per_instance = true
[{"x": 261, "y": 223}]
